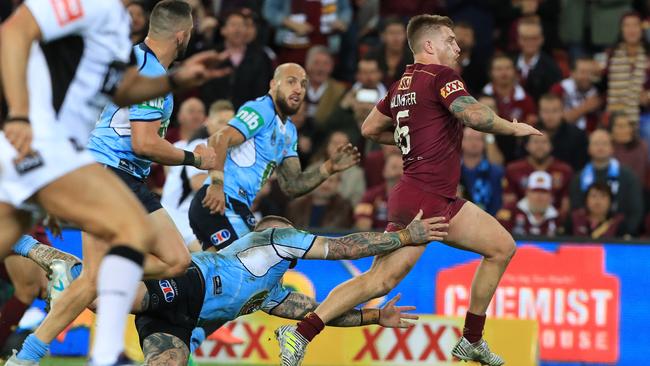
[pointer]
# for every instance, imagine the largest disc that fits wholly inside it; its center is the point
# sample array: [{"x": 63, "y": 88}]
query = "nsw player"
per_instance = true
[{"x": 424, "y": 114}]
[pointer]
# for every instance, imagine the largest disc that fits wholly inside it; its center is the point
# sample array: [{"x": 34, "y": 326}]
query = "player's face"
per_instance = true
[
  {"x": 445, "y": 46},
  {"x": 550, "y": 111},
  {"x": 598, "y": 202},
  {"x": 290, "y": 90}
]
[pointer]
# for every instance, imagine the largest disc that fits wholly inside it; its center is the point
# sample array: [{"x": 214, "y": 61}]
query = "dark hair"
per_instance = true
[
  {"x": 266, "y": 222},
  {"x": 601, "y": 187},
  {"x": 497, "y": 56},
  {"x": 574, "y": 62},
  {"x": 550, "y": 96},
  {"x": 422, "y": 23},
  {"x": 390, "y": 20},
  {"x": 236, "y": 13},
  {"x": 463, "y": 24},
  {"x": 167, "y": 13}
]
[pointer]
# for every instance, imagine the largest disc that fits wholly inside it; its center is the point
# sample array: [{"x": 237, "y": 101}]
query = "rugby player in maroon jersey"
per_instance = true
[{"x": 424, "y": 114}]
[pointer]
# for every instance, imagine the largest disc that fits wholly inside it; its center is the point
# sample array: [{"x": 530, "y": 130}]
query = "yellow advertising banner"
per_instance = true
[{"x": 429, "y": 342}]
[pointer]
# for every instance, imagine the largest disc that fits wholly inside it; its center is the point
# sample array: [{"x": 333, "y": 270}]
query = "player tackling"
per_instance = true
[{"x": 424, "y": 114}]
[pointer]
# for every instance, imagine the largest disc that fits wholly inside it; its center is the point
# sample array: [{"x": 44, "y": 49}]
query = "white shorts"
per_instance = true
[{"x": 54, "y": 157}]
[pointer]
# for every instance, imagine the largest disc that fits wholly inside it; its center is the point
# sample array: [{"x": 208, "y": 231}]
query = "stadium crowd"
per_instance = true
[{"x": 578, "y": 70}]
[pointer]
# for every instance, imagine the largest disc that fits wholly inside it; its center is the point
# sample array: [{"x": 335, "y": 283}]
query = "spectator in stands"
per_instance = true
[
  {"x": 191, "y": 116},
  {"x": 537, "y": 70},
  {"x": 357, "y": 102},
  {"x": 374, "y": 161},
  {"x": 479, "y": 15},
  {"x": 512, "y": 102},
  {"x": 472, "y": 68},
  {"x": 579, "y": 95},
  {"x": 604, "y": 168},
  {"x": 481, "y": 180},
  {"x": 322, "y": 208},
  {"x": 372, "y": 211},
  {"x": 492, "y": 151},
  {"x": 352, "y": 183},
  {"x": 596, "y": 220},
  {"x": 408, "y": 9},
  {"x": 205, "y": 27},
  {"x": 252, "y": 35},
  {"x": 252, "y": 69},
  {"x": 302, "y": 23},
  {"x": 629, "y": 148},
  {"x": 539, "y": 159},
  {"x": 586, "y": 26},
  {"x": 139, "y": 21},
  {"x": 569, "y": 142},
  {"x": 393, "y": 54},
  {"x": 306, "y": 135},
  {"x": 534, "y": 214},
  {"x": 323, "y": 92},
  {"x": 627, "y": 70}
]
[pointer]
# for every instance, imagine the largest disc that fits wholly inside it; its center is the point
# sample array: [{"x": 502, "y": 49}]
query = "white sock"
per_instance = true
[{"x": 117, "y": 284}]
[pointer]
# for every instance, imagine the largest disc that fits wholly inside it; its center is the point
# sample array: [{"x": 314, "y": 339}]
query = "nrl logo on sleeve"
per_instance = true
[
  {"x": 404, "y": 83},
  {"x": 451, "y": 87}
]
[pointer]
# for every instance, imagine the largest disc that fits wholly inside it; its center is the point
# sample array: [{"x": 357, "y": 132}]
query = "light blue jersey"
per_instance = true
[
  {"x": 246, "y": 276},
  {"x": 268, "y": 142},
  {"x": 110, "y": 141}
]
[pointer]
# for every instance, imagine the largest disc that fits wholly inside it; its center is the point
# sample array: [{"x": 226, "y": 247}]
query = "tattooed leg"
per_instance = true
[
  {"x": 43, "y": 255},
  {"x": 162, "y": 349}
]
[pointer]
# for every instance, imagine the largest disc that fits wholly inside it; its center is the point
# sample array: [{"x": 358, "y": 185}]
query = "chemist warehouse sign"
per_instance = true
[{"x": 568, "y": 292}]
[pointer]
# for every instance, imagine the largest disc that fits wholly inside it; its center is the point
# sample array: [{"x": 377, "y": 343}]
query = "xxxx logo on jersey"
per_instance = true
[
  {"x": 451, "y": 87},
  {"x": 405, "y": 82}
]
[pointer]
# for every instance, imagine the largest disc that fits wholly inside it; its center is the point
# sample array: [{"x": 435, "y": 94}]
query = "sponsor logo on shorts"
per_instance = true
[
  {"x": 220, "y": 236},
  {"x": 29, "y": 163},
  {"x": 167, "y": 290},
  {"x": 451, "y": 87}
]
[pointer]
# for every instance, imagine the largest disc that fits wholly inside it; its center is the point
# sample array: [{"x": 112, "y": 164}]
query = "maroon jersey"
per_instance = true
[
  {"x": 518, "y": 171},
  {"x": 426, "y": 132},
  {"x": 582, "y": 226},
  {"x": 518, "y": 220},
  {"x": 374, "y": 206}
]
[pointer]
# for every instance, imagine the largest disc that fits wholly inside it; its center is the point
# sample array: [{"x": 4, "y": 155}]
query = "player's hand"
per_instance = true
[
  {"x": 214, "y": 199},
  {"x": 208, "y": 157},
  {"x": 19, "y": 135},
  {"x": 200, "y": 68},
  {"x": 345, "y": 157},
  {"x": 524, "y": 129},
  {"x": 423, "y": 231},
  {"x": 392, "y": 316}
]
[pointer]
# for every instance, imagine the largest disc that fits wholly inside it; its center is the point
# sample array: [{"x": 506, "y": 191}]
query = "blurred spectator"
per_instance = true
[
  {"x": 481, "y": 180},
  {"x": 579, "y": 95},
  {"x": 322, "y": 208},
  {"x": 357, "y": 102},
  {"x": 352, "y": 183},
  {"x": 366, "y": 18},
  {"x": 393, "y": 54},
  {"x": 492, "y": 151},
  {"x": 534, "y": 214},
  {"x": 323, "y": 92},
  {"x": 303, "y": 23},
  {"x": 252, "y": 68},
  {"x": 252, "y": 22},
  {"x": 472, "y": 67},
  {"x": 569, "y": 142},
  {"x": 408, "y": 9},
  {"x": 604, "y": 168},
  {"x": 204, "y": 31},
  {"x": 372, "y": 211},
  {"x": 306, "y": 135},
  {"x": 627, "y": 70},
  {"x": 586, "y": 26},
  {"x": 139, "y": 21},
  {"x": 596, "y": 220},
  {"x": 539, "y": 158},
  {"x": 220, "y": 113},
  {"x": 537, "y": 70},
  {"x": 629, "y": 148},
  {"x": 191, "y": 116},
  {"x": 512, "y": 102},
  {"x": 478, "y": 14},
  {"x": 374, "y": 161}
]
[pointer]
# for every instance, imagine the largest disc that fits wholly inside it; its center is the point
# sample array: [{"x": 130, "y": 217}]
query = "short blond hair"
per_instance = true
[
  {"x": 420, "y": 24},
  {"x": 219, "y": 106}
]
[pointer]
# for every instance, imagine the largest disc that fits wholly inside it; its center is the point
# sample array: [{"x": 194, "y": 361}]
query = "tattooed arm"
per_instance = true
[
  {"x": 43, "y": 255},
  {"x": 480, "y": 117},
  {"x": 294, "y": 182},
  {"x": 162, "y": 349},
  {"x": 297, "y": 305},
  {"x": 367, "y": 244}
]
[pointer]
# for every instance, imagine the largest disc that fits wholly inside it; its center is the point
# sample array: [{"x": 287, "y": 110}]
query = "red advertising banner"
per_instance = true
[{"x": 576, "y": 304}]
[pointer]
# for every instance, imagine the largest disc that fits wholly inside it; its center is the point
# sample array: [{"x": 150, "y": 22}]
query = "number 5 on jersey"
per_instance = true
[{"x": 401, "y": 134}]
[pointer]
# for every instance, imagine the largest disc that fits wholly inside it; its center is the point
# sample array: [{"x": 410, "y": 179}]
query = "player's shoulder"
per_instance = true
[
  {"x": 435, "y": 70},
  {"x": 147, "y": 62},
  {"x": 261, "y": 108}
]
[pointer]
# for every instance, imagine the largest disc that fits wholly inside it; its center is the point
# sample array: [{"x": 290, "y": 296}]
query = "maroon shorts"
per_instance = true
[{"x": 406, "y": 199}]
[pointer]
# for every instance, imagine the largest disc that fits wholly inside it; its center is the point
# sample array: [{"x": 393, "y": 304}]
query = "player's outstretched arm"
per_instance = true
[
  {"x": 378, "y": 127},
  {"x": 368, "y": 244},
  {"x": 297, "y": 305},
  {"x": 220, "y": 142},
  {"x": 295, "y": 183},
  {"x": 480, "y": 117}
]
